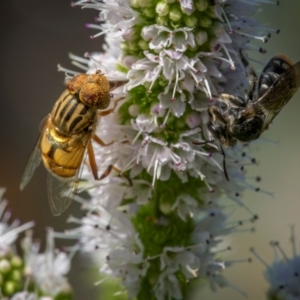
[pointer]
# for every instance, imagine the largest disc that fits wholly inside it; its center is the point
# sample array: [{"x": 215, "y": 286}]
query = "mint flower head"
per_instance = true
[
  {"x": 283, "y": 275},
  {"x": 160, "y": 224}
]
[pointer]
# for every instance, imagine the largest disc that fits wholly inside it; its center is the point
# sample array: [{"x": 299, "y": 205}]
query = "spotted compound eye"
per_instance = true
[{"x": 93, "y": 90}]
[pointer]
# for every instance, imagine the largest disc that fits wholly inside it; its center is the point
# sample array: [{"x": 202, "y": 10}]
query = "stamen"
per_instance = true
[
  {"x": 277, "y": 246},
  {"x": 176, "y": 83},
  {"x": 208, "y": 186},
  {"x": 66, "y": 71},
  {"x": 252, "y": 250},
  {"x": 227, "y": 21},
  {"x": 79, "y": 58},
  {"x": 154, "y": 79},
  {"x": 207, "y": 91},
  {"x": 80, "y": 66},
  {"x": 15, "y": 231},
  {"x": 231, "y": 62},
  {"x": 166, "y": 119},
  {"x": 293, "y": 240},
  {"x": 261, "y": 38}
]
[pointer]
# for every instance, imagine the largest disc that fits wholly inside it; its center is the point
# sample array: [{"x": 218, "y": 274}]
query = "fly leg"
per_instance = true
[
  {"x": 109, "y": 111},
  {"x": 93, "y": 162}
]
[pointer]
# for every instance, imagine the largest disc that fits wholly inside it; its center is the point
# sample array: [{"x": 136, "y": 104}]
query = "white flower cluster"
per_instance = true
[
  {"x": 9, "y": 232},
  {"x": 159, "y": 223},
  {"x": 48, "y": 270},
  {"x": 283, "y": 275},
  {"x": 39, "y": 276}
]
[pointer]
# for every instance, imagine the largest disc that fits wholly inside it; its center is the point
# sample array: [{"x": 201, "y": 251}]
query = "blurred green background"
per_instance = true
[{"x": 37, "y": 35}]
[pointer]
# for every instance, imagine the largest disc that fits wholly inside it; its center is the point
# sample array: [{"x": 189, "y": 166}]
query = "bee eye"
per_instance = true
[{"x": 75, "y": 84}]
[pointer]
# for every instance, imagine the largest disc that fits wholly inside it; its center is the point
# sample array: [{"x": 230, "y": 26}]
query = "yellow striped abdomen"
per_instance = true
[
  {"x": 61, "y": 154},
  {"x": 68, "y": 131}
]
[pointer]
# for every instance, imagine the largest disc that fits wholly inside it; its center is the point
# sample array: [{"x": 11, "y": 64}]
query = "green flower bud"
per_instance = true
[
  {"x": 201, "y": 37},
  {"x": 145, "y": 3},
  {"x": 175, "y": 13},
  {"x": 201, "y": 5},
  {"x": 9, "y": 288},
  {"x": 5, "y": 266},
  {"x": 133, "y": 46},
  {"x": 162, "y": 20},
  {"x": 135, "y": 3},
  {"x": 16, "y": 262},
  {"x": 205, "y": 21},
  {"x": 162, "y": 9},
  {"x": 16, "y": 275},
  {"x": 144, "y": 45},
  {"x": 149, "y": 12},
  {"x": 190, "y": 21}
]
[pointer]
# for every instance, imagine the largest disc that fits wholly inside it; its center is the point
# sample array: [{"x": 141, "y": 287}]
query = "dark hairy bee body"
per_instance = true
[{"x": 245, "y": 119}]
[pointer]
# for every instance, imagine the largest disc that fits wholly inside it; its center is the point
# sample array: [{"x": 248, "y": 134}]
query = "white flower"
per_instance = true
[
  {"x": 49, "y": 269},
  {"x": 110, "y": 233},
  {"x": 160, "y": 37},
  {"x": 283, "y": 275},
  {"x": 9, "y": 232},
  {"x": 27, "y": 296}
]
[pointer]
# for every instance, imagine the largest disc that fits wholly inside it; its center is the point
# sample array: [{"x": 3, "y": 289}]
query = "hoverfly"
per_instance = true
[
  {"x": 67, "y": 133},
  {"x": 245, "y": 119}
]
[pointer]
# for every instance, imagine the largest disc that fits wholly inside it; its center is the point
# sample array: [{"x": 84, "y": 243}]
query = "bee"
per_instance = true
[
  {"x": 246, "y": 119},
  {"x": 66, "y": 135}
]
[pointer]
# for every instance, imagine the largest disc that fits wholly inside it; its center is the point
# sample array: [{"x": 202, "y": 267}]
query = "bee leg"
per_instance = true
[
  {"x": 215, "y": 115},
  {"x": 93, "y": 163},
  {"x": 233, "y": 101},
  {"x": 224, "y": 163},
  {"x": 218, "y": 127},
  {"x": 252, "y": 77},
  {"x": 109, "y": 111}
]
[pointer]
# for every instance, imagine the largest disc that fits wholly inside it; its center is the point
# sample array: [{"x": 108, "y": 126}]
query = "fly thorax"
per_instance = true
[{"x": 72, "y": 116}]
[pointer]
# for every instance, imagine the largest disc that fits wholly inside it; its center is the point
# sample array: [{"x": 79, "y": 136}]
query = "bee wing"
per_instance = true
[
  {"x": 61, "y": 193},
  {"x": 278, "y": 95},
  {"x": 35, "y": 158}
]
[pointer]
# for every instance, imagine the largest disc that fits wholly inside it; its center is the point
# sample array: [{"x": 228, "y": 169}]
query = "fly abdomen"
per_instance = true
[{"x": 62, "y": 154}]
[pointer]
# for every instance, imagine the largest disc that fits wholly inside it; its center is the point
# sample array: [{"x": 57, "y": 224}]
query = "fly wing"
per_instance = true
[
  {"x": 278, "y": 95},
  {"x": 34, "y": 160},
  {"x": 61, "y": 192}
]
